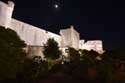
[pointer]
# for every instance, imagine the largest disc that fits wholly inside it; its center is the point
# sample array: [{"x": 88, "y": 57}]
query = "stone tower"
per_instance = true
[
  {"x": 69, "y": 38},
  {"x": 6, "y": 11}
]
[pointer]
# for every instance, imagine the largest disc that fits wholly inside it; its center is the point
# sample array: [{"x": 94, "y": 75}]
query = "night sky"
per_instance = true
[{"x": 93, "y": 19}]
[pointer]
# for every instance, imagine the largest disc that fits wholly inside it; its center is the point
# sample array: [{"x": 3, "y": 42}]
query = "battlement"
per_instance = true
[
  {"x": 9, "y": 4},
  {"x": 6, "y": 11},
  {"x": 2, "y": 4}
]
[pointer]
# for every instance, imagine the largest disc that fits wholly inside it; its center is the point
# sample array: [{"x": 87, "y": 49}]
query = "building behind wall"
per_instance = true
[{"x": 36, "y": 37}]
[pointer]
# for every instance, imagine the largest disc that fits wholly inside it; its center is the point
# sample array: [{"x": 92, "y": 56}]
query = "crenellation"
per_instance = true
[
  {"x": 11, "y": 4},
  {"x": 2, "y": 4},
  {"x": 6, "y": 11}
]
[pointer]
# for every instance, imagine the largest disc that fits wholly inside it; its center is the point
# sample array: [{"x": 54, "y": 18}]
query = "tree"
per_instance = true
[
  {"x": 83, "y": 54},
  {"x": 115, "y": 58},
  {"x": 89, "y": 55},
  {"x": 33, "y": 70},
  {"x": 12, "y": 53},
  {"x": 51, "y": 50},
  {"x": 73, "y": 54}
]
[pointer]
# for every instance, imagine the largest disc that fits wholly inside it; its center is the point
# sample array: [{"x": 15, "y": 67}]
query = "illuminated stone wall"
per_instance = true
[
  {"x": 55, "y": 36},
  {"x": 69, "y": 38},
  {"x": 95, "y": 45},
  {"x": 81, "y": 44},
  {"x": 75, "y": 37},
  {"x": 32, "y": 35},
  {"x": 35, "y": 51},
  {"x": 6, "y": 11},
  {"x": 66, "y": 37}
]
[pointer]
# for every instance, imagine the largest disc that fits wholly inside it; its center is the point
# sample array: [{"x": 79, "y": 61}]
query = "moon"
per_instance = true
[{"x": 56, "y": 6}]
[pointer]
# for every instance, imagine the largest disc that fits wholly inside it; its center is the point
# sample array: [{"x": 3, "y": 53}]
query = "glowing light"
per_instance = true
[{"x": 56, "y": 6}]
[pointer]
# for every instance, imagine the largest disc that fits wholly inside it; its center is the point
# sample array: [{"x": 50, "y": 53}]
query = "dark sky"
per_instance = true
[{"x": 93, "y": 19}]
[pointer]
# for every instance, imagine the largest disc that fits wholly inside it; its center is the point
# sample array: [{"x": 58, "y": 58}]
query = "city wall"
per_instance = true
[
  {"x": 95, "y": 45},
  {"x": 35, "y": 37},
  {"x": 32, "y": 35},
  {"x": 70, "y": 37}
]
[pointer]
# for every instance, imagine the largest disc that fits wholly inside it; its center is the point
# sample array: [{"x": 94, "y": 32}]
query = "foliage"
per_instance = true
[
  {"x": 89, "y": 69},
  {"x": 89, "y": 55},
  {"x": 73, "y": 54},
  {"x": 32, "y": 70},
  {"x": 114, "y": 64},
  {"x": 83, "y": 67},
  {"x": 11, "y": 53},
  {"x": 51, "y": 50}
]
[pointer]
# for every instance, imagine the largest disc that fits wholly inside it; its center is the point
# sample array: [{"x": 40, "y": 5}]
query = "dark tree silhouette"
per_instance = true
[
  {"x": 51, "y": 50},
  {"x": 12, "y": 53},
  {"x": 73, "y": 54}
]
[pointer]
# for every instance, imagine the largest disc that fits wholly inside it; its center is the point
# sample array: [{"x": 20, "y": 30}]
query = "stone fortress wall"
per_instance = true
[
  {"x": 95, "y": 45},
  {"x": 36, "y": 37},
  {"x": 70, "y": 37},
  {"x": 32, "y": 35}
]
